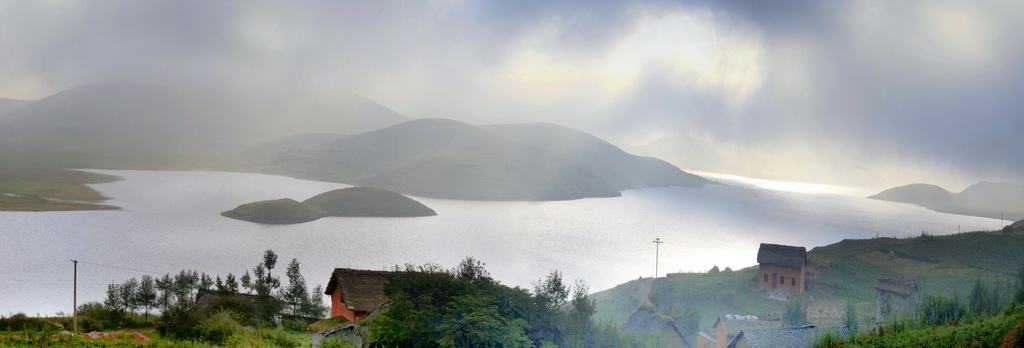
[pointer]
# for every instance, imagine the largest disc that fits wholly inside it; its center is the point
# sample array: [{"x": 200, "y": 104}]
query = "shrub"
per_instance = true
[
  {"x": 21, "y": 322},
  {"x": 340, "y": 341},
  {"x": 180, "y": 321},
  {"x": 219, "y": 327}
]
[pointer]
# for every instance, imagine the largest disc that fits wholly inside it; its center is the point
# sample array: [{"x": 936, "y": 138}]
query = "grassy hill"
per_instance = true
[
  {"x": 449, "y": 159},
  {"x": 353, "y": 201},
  {"x": 841, "y": 272},
  {"x": 154, "y": 126},
  {"x": 46, "y": 189},
  {"x": 986, "y": 199}
]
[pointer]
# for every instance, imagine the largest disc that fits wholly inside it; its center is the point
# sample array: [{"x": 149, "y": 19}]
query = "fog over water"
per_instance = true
[{"x": 170, "y": 221}]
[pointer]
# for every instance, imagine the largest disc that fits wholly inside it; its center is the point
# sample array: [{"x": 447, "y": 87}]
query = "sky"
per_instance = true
[{"x": 857, "y": 93}]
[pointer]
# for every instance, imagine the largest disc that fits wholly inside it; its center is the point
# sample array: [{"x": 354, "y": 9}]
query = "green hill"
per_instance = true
[
  {"x": 47, "y": 189},
  {"x": 841, "y": 272},
  {"x": 443, "y": 158},
  {"x": 351, "y": 202}
]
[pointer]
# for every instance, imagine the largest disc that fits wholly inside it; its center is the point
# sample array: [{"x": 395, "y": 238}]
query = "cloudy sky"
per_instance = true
[{"x": 860, "y": 93}]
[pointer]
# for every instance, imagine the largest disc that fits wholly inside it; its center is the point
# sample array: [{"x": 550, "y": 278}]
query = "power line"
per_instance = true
[{"x": 122, "y": 268}]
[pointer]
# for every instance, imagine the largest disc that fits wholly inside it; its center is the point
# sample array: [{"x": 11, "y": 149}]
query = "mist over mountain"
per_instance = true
[
  {"x": 160, "y": 126},
  {"x": 449, "y": 159},
  {"x": 7, "y": 105},
  {"x": 987, "y": 199}
]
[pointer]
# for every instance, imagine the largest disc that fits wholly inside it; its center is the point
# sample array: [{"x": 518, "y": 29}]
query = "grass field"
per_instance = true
[{"x": 49, "y": 189}]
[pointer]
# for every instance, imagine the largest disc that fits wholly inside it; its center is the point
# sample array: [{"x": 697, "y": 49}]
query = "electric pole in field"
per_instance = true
[
  {"x": 657, "y": 245},
  {"x": 74, "y": 315}
]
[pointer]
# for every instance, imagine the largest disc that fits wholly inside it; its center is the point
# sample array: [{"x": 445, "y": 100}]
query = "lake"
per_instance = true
[{"x": 170, "y": 221}]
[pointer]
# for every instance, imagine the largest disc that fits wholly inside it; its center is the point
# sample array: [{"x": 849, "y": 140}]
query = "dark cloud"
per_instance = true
[{"x": 934, "y": 82}]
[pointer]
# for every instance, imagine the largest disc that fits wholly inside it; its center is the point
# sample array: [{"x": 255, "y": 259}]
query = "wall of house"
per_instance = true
[
  {"x": 338, "y": 308},
  {"x": 780, "y": 274},
  {"x": 721, "y": 338},
  {"x": 704, "y": 342}
]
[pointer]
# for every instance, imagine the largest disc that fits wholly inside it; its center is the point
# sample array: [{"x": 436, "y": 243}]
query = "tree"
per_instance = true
[
  {"x": 247, "y": 282},
  {"x": 147, "y": 294},
  {"x": 164, "y": 286},
  {"x": 128, "y": 293},
  {"x": 231, "y": 283},
  {"x": 851, "y": 318},
  {"x": 796, "y": 312},
  {"x": 314, "y": 307},
  {"x": 113, "y": 300},
  {"x": 205, "y": 281},
  {"x": 269, "y": 260},
  {"x": 295, "y": 294}
]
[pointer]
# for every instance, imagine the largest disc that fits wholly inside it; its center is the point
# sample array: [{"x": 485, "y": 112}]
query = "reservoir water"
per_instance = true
[{"x": 170, "y": 221}]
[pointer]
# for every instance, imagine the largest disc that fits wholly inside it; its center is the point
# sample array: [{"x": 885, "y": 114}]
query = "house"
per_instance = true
[
  {"x": 356, "y": 293},
  {"x": 803, "y": 336},
  {"x": 782, "y": 267},
  {"x": 206, "y": 299},
  {"x": 895, "y": 296},
  {"x": 728, "y": 326}
]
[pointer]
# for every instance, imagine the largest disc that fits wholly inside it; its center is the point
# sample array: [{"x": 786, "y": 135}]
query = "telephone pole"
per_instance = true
[
  {"x": 657, "y": 244},
  {"x": 74, "y": 316}
]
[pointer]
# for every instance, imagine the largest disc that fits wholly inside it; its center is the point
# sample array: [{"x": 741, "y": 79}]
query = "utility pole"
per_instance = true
[
  {"x": 74, "y": 316},
  {"x": 657, "y": 244}
]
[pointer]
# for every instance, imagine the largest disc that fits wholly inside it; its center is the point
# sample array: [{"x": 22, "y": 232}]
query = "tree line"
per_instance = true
[{"x": 257, "y": 298}]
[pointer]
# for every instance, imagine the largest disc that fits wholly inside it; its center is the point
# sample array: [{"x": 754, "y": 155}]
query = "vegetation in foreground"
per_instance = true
[
  {"x": 49, "y": 189},
  {"x": 465, "y": 307}
]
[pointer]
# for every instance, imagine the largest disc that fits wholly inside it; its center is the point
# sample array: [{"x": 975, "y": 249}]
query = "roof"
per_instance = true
[
  {"x": 896, "y": 284},
  {"x": 206, "y": 298},
  {"x": 706, "y": 336},
  {"x": 805, "y": 336},
  {"x": 361, "y": 290},
  {"x": 782, "y": 255},
  {"x": 733, "y": 324}
]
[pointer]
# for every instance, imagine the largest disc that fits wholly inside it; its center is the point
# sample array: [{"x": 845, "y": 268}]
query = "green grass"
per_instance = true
[
  {"x": 1002, "y": 330},
  {"x": 49, "y": 189},
  {"x": 840, "y": 273}
]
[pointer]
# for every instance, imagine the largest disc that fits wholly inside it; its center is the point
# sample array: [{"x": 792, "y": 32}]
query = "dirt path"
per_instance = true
[{"x": 644, "y": 291}]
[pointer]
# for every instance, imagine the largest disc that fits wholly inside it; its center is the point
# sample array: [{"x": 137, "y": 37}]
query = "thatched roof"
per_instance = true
[
  {"x": 782, "y": 255},
  {"x": 733, "y": 324},
  {"x": 361, "y": 290},
  {"x": 206, "y": 298},
  {"x": 896, "y": 284}
]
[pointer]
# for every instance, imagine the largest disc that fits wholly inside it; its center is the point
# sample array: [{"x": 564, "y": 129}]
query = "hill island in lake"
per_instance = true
[{"x": 349, "y": 202}]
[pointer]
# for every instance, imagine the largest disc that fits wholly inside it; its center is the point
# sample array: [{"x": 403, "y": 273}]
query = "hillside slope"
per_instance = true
[
  {"x": 346, "y": 202},
  {"x": 840, "y": 272},
  {"x": 987, "y": 199},
  {"x": 443, "y": 158},
  {"x": 140, "y": 125}
]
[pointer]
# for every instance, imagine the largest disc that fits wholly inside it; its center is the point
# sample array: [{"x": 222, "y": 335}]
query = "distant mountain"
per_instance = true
[
  {"x": 986, "y": 199},
  {"x": 346, "y": 202},
  {"x": 8, "y": 105},
  {"x": 139, "y": 125},
  {"x": 449, "y": 159}
]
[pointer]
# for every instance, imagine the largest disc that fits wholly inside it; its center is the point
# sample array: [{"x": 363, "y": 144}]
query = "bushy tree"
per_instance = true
[
  {"x": 796, "y": 312},
  {"x": 147, "y": 294}
]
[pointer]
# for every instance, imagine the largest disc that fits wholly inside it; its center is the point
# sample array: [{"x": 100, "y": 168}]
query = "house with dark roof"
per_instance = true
[
  {"x": 356, "y": 293},
  {"x": 782, "y": 267},
  {"x": 729, "y": 325},
  {"x": 895, "y": 296},
  {"x": 803, "y": 336}
]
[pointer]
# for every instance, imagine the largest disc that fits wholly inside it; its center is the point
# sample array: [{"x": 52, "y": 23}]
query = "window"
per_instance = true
[
  {"x": 794, "y": 281},
  {"x": 782, "y": 280},
  {"x": 766, "y": 277}
]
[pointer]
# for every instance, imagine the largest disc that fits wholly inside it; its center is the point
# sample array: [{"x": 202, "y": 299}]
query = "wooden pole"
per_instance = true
[
  {"x": 657, "y": 244},
  {"x": 74, "y": 315}
]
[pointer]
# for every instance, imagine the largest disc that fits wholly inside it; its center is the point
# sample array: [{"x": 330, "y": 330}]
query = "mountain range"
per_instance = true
[
  {"x": 987, "y": 199},
  {"x": 153, "y": 126},
  {"x": 345, "y": 138}
]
